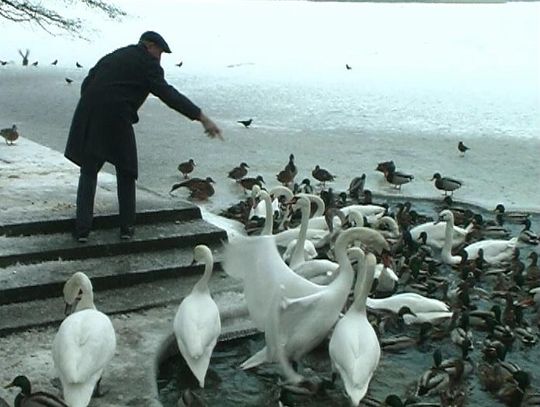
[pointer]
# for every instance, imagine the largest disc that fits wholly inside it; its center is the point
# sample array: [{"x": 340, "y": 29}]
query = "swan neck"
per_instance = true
[
  {"x": 202, "y": 284},
  {"x": 448, "y": 235},
  {"x": 298, "y": 254},
  {"x": 364, "y": 281},
  {"x": 87, "y": 297},
  {"x": 269, "y": 221}
]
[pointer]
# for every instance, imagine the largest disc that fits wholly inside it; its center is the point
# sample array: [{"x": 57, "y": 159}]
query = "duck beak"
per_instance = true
[{"x": 7, "y": 386}]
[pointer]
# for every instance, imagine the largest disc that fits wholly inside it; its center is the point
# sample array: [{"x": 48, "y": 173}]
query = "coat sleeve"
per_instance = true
[{"x": 169, "y": 95}]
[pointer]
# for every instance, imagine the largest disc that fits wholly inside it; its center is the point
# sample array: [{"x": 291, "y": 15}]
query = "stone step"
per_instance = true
[
  {"x": 58, "y": 222},
  {"x": 141, "y": 296},
  {"x": 27, "y": 282},
  {"x": 105, "y": 242}
]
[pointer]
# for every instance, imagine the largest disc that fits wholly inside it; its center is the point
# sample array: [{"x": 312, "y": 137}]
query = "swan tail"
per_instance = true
[{"x": 257, "y": 359}]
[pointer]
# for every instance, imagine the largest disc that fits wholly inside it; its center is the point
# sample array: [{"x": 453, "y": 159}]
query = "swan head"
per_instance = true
[
  {"x": 445, "y": 215},
  {"x": 77, "y": 288},
  {"x": 200, "y": 253},
  {"x": 300, "y": 202}
]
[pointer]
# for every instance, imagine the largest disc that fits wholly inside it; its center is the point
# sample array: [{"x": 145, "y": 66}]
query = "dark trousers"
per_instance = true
[{"x": 86, "y": 193}]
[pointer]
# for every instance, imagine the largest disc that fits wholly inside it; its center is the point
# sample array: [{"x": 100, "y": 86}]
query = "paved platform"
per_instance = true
[{"x": 138, "y": 283}]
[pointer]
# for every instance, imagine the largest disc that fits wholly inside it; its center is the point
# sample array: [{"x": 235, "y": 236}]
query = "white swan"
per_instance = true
[
  {"x": 84, "y": 344},
  {"x": 260, "y": 210},
  {"x": 197, "y": 324},
  {"x": 298, "y": 324},
  {"x": 298, "y": 261},
  {"x": 417, "y": 303},
  {"x": 388, "y": 227},
  {"x": 436, "y": 233},
  {"x": 370, "y": 212},
  {"x": 495, "y": 250},
  {"x": 257, "y": 192},
  {"x": 385, "y": 276},
  {"x": 354, "y": 347}
]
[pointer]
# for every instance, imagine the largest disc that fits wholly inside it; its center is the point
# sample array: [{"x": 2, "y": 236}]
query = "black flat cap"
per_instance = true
[{"x": 157, "y": 39}]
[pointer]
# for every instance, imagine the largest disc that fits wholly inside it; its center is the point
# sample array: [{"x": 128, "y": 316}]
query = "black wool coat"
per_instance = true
[{"x": 111, "y": 95}]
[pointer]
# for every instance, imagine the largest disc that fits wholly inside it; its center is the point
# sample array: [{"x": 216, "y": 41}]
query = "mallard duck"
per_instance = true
[
  {"x": 238, "y": 172},
  {"x": 461, "y": 335},
  {"x": 356, "y": 187},
  {"x": 285, "y": 177},
  {"x": 291, "y": 166},
  {"x": 446, "y": 184},
  {"x": 503, "y": 215},
  {"x": 526, "y": 235},
  {"x": 186, "y": 167},
  {"x": 397, "y": 178},
  {"x": 322, "y": 175},
  {"x": 10, "y": 134},
  {"x": 199, "y": 188},
  {"x": 398, "y": 343},
  {"x": 37, "y": 399},
  {"x": 385, "y": 166},
  {"x": 248, "y": 183},
  {"x": 197, "y": 324}
]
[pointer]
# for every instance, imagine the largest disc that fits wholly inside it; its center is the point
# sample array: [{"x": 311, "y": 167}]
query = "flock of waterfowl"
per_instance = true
[{"x": 458, "y": 279}]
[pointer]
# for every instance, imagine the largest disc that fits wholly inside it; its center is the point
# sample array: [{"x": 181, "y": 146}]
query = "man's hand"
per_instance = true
[{"x": 210, "y": 128}]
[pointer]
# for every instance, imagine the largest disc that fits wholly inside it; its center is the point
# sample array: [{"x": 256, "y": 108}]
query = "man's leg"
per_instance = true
[
  {"x": 126, "y": 202},
  {"x": 86, "y": 192}
]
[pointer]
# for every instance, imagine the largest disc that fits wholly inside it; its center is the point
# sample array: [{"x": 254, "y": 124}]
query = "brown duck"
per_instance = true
[
  {"x": 186, "y": 167},
  {"x": 10, "y": 134},
  {"x": 200, "y": 189},
  {"x": 248, "y": 183},
  {"x": 37, "y": 399},
  {"x": 285, "y": 176},
  {"x": 322, "y": 175},
  {"x": 238, "y": 172},
  {"x": 291, "y": 167}
]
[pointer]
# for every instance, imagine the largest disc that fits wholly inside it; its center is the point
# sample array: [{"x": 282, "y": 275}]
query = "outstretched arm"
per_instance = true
[{"x": 210, "y": 128}]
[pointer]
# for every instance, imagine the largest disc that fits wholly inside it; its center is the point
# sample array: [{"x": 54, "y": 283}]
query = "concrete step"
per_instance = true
[
  {"x": 105, "y": 242},
  {"x": 58, "y": 222},
  {"x": 140, "y": 296},
  {"x": 27, "y": 282}
]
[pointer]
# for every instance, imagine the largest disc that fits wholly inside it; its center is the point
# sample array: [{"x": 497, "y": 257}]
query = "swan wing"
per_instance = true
[
  {"x": 83, "y": 345},
  {"x": 495, "y": 250},
  {"x": 257, "y": 261},
  {"x": 355, "y": 352},
  {"x": 197, "y": 325}
]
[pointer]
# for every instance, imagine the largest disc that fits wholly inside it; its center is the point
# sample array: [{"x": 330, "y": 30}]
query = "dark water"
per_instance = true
[{"x": 397, "y": 373}]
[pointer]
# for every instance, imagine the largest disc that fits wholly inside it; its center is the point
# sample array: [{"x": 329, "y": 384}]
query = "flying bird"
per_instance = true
[
  {"x": 446, "y": 184},
  {"x": 78, "y": 65},
  {"x": 3, "y": 63},
  {"x": 68, "y": 80},
  {"x": 246, "y": 123},
  {"x": 10, "y": 134},
  {"x": 35, "y": 63},
  {"x": 179, "y": 64},
  {"x": 462, "y": 148},
  {"x": 348, "y": 66},
  {"x": 186, "y": 167},
  {"x": 54, "y": 62}
]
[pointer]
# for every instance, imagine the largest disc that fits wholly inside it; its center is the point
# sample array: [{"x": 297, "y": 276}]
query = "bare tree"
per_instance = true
[{"x": 48, "y": 18}]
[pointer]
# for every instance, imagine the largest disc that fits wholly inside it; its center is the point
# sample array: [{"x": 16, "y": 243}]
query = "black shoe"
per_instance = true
[
  {"x": 81, "y": 237},
  {"x": 126, "y": 233}
]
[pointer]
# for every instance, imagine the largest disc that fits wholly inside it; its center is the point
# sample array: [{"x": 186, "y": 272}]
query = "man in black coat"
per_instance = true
[{"x": 102, "y": 125}]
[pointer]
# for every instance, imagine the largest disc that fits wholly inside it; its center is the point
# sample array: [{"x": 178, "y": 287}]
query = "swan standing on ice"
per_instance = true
[
  {"x": 197, "y": 323},
  {"x": 84, "y": 344},
  {"x": 495, "y": 250},
  {"x": 354, "y": 347}
]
